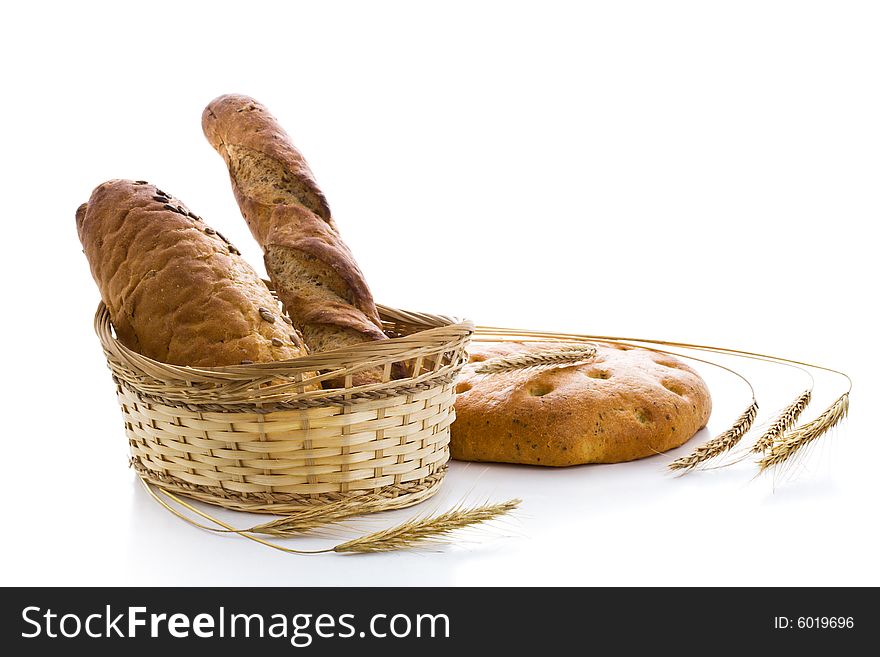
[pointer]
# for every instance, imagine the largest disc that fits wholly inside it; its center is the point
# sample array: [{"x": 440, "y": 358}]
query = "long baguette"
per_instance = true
[{"x": 312, "y": 269}]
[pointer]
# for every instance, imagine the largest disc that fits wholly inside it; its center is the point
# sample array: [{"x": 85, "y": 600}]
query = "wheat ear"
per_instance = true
[
  {"x": 308, "y": 520},
  {"x": 783, "y": 422},
  {"x": 544, "y": 358},
  {"x": 414, "y": 532},
  {"x": 801, "y": 436},
  {"x": 402, "y": 537},
  {"x": 721, "y": 443}
]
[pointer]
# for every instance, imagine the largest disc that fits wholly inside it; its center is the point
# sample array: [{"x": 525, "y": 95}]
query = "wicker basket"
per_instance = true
[{"x": 265, "y": 438}]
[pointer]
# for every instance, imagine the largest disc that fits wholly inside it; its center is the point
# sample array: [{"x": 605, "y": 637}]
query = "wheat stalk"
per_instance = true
[
  {"x": 783, "y": 422},
  {"x": 402, "y": 537},
  {"x": 721, "y": 443},
  {"x": 413, "y": 532},
  {"x": 801, "y": 436},
  {"x": 543, "y": 358},
  {"x": 302, "y": 522}
]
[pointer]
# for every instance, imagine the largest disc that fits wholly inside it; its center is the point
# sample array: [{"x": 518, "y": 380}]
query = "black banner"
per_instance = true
[{"x": 419, "y": 621}]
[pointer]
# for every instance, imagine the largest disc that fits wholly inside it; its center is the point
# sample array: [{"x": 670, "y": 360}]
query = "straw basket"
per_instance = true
[{"x": 266, "y": 438}]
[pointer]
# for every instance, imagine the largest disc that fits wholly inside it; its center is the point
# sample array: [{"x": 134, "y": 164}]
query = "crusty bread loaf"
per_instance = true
[
  {"x": 624, "y": 404},
  {"x": 177, "y": 291},
  {"x": 312, "y": 269}
]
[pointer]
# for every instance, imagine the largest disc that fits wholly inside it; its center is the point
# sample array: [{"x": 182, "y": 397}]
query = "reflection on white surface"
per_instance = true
[{"x": 595, "y": 524}]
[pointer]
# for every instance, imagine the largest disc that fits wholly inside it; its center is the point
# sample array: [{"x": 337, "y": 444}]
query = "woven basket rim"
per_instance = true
[{"x": 441, "y": 327}]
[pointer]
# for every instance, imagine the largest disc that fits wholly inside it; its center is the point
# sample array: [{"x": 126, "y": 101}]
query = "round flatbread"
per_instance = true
[{"x": 623, "y": 404}]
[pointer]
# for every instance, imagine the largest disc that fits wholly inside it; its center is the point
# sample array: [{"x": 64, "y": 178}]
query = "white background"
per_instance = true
[{"x": 688, "y": 170}]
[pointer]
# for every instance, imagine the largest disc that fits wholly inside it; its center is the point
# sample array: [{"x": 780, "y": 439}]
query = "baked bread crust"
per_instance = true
[
  {"x": 312, "y": 269},
  {"x": 176, "y": 290},
  {"x": 626, "y": 403}
]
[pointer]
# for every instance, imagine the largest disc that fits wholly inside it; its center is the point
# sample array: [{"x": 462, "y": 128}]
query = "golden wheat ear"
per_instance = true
[
  {"x": 783, "y": 422},
  {"x": 425, "y": 530},
  {"x": 546, "y": 358},
  {"x": 305, "y": 522},
  {"x": 411, "y": 533},
  {"x": 799, "y": 437},
  {"x": 720, "y": 444}
]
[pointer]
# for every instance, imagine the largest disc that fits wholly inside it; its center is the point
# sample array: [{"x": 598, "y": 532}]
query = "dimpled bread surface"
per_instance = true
[{"x": 625, "y": 403}]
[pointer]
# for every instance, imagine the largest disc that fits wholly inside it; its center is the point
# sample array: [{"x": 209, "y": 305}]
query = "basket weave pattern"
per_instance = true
[{"x": 266, "y": 438}]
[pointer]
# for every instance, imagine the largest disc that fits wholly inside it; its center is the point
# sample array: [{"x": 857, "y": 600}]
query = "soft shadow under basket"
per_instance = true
[{"x": 261, "y": 438}]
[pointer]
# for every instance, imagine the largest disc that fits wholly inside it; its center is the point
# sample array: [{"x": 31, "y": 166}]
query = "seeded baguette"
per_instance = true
[
  {"x": 312, "y": 269},
  {"x": 176, "y": 289}
]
